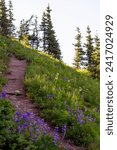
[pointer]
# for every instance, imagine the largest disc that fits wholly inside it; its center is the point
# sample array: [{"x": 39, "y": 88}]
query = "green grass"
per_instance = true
[
  {"x": 59, "y": 91},
  {"x": 3, "y": 61}
]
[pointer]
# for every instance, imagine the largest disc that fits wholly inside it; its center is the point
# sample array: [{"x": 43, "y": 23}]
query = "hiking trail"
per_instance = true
[{"x": 15, "y": 92}]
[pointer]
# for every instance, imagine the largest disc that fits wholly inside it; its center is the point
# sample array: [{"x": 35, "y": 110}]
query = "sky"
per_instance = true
[{"x": 66, "y": 15}]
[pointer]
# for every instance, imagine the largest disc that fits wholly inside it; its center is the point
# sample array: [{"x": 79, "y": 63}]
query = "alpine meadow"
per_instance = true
[{"x": 46, "y": 104}]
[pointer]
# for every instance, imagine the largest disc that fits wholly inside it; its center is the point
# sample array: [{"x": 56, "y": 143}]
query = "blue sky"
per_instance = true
[{"x": 66, "y": 16}]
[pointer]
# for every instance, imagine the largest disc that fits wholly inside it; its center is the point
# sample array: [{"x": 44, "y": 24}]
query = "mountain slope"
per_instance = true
[{"x": 62, "y": 94}]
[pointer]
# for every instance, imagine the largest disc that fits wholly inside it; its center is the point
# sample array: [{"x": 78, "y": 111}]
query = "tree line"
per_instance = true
[
  {"x": 38, "y": 36},
  {"x": 87, "y": 55},
  {"x": 42, "y": 36}
]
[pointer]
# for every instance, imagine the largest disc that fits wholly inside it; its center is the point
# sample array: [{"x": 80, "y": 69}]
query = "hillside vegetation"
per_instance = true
[{"x": 63, "y": 95}]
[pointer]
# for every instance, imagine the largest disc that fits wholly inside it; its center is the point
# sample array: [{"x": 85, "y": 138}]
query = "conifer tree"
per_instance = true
[
  {"x": 95, "y": 69},
  {"x": 89, "y": 47},
  {"x": 79, "y": 53},
  {"x": 97, "y": 43},
  {"x": 50, "y": 43},
  {"x": 43, "y": 28},
  {"x": 11, "y": 19},
  {"x": 3, "y": 19}
]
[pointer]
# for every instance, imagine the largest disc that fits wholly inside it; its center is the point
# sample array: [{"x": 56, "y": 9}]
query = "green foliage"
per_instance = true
[
  {"x": 6, "y": 19},
  {"x": 79, "y": 53},
  {"x": 6, "y": 123},
  {"x": 84, "y": 134},
  {"x": 49, "y": 42},
  {"x": 59, "y": 91},
  {"x": 89, "y": 46},
  {"x": 3, "y": 61},
  {"x": 3, "y": 18},
  {"x": 90, "y": 56},
  {"x": 95, "y": 66},
  {"x": 10, "y": 139},
  {"x": 93, "y": 54},
  {"x": 11, "y": 26}
]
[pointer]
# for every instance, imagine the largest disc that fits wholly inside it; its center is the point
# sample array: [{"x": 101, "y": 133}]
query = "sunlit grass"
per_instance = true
[{"x": 60, "y": 91}]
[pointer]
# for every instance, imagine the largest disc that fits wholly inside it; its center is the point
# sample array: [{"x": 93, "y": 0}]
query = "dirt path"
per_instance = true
[{"x": 15, "y": 76}]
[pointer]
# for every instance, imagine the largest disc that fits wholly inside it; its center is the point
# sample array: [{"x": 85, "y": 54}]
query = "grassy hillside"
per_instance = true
[{"x": 63, "y": 95}]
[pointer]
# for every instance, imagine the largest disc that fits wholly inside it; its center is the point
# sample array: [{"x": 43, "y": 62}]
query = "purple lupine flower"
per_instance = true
[
  {"x": 25, "y": 117},
  {"x": 46, "y": 128},
  {"x": 17, "y": 117},
  {"x": 27, "y": 123},
  {"x": 37, "y": 130},
  {"x": 80, "y": 118},
  {"x": 56, "y": 129},
  {"x": 56, "y": 135},
  {"x": 40, "y": 122},
  {"x": 18, "y": 113},
  {"x": 2, "y": 95},
  {"x": 30, "y": 116},
  {"x": 90, "y": 119},
  {"x": 64, "y": 130},
  {"x": 28, "y": 113},
  {"x": 43, "y": 126}
]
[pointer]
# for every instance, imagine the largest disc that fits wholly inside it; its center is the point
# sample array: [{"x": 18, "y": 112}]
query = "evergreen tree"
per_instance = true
[
  {"x": 97, "y": 43},
  {"x": 79, "y": 53},
  {"x": 11, "y": 19},
  {"x": 43, "y": 28},
  {"x": 4, "y": 19},
  {"x": 50, "y": 43},
  {"x": 95, "y": 69},
  {"x": 89, "y": 47}
]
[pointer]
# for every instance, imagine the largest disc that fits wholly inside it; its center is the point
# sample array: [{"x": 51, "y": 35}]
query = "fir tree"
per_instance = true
[
  {"x": 50, "y": 43},
  {"x": 89, "y": 47},
  {"x": 97, "y": 43},
  {"x": 4, "y": 19},
  {"x": 43, "y": 28},
  {"x": 79, "y": 53},
  {"x": 11, "y": 19},
  {"x": 95, "y": 68}
]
